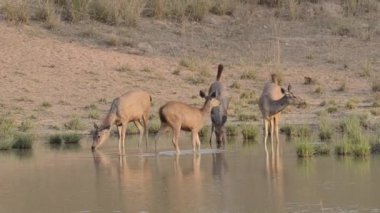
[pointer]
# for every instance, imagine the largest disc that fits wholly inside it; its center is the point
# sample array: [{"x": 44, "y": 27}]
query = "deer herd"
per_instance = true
[{"x": 134, "y": 106}]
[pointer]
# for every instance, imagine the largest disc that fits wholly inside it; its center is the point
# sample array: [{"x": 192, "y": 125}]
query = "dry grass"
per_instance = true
[{"x": 16, "y": 11}]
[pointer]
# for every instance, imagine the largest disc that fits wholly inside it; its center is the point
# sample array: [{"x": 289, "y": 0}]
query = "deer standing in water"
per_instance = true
[
  {"x": 133, "y": 106},
  {"x": 180, "y": 116},
  {"x": 219, "y": 113},
  {"x": 272, "y": 101}
]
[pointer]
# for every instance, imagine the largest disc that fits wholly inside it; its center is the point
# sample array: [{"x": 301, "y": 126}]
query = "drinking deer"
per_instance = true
[
  {"x": 272, "y": 101},
  {"x": 133, "y": 106},
  {"x": 180, "y": 116},
  {"x": 219, "y": 113}
]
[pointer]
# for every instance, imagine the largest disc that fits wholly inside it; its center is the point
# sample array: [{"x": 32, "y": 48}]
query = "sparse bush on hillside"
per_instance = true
[{"x": 16, "y": 11}]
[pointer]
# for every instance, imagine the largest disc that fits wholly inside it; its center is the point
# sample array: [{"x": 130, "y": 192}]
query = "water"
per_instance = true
[{"x": 243, "y": 178}]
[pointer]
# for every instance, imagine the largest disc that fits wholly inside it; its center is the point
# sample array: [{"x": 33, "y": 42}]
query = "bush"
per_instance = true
[
  {"x": 23, "y": 141},
  {"x": 74, "y": 124},
  {"x": 16, "y": 11},
  {"x": 326, "y": 129},
  {"x": 250, "y": 132},
  {"x": 55, "y": 139},
  {"x": 204, "y": 131},
  {"x": 231, "y": 130},
  {"x": 71, "y": 138},
  {"x": 344, "y": 147},
  {"x": 7, "y": 130},
  {"x": 154, "y": 126},
  {"x": 304, "y": 148}
]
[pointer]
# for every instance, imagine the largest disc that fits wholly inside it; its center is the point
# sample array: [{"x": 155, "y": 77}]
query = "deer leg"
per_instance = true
[
  {"x": 266, "y": 123},
  {"x": 276, "y": 129},
  {"x": 123, "y": 132},
  {"x": 198, "y": 142},
  {"x": 141, "y": 130},
  {"x": 146, "y": 128},
  {"x": 272, "y": 131},
  {"x": 119, "y": 133},
  {"x": 212, "y": 131},
  {"x": 176, "y": 139},
  {"x": 194, "y": 140}
]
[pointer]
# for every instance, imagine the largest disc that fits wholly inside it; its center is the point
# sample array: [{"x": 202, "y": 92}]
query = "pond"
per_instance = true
[{"x": 245, "y": 177}]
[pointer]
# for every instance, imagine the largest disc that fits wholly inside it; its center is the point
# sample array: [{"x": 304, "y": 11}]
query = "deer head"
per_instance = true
[
  {"x": 210, "y": 99},
  {"x": 99, "y": 135}
]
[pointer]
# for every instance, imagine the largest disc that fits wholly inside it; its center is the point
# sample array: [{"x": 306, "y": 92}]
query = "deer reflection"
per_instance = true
[
  {"x": 219, "y": 165},
  {"x": 275, "y": 173},
  {"x": 131, "y": 174}
]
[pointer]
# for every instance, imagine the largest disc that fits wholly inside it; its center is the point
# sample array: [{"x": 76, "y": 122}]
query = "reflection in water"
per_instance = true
[
  {"x": 219, "y": 165},
  {"x": 275, "y": 174},
  {"x": 24, "y": 154}
]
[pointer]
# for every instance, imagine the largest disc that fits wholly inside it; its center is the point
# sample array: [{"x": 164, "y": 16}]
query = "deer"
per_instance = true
[
  {"x": 273, "y": 100},
  {"x": 179, "y": 116},
  {"x": 219, "y": 113},
  {"x": 133, "y": 106}
]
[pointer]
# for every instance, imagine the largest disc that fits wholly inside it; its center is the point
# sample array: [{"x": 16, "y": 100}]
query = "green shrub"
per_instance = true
[
  {"x": 326, "y": 129},
  {"x": 71, "y": 138},
  {"x": 26, "y": 125},
  {"x": 74, "y": 124},
  {"x": 232, "y": 130},
  {"x": 204, "y": 131},
  {"x": 304, "y": 147},
  {"x": 344, "y": 146},
  {"x": 250, "y": 132},
  {"x": 94, "y": 114},
  {"x": 16, "y": 11},
  {"x": 321, "y": 149},
  {"x": 361, "y": 149},
  {"x": 154, "y": 126},
  {"x": 23, "y": 141},
  {"x": 55, "y": 139},
  {"x": 7, "y": 131},
  {"x": 296, "y": 131}
]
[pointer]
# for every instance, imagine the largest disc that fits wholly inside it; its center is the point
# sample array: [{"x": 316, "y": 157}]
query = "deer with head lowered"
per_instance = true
[
  {"x": 219, "y": 113},
  {"x": 273, "y": 100},
  {"x": 133, "y": 106},
  {"x": 180, "y": 116}
]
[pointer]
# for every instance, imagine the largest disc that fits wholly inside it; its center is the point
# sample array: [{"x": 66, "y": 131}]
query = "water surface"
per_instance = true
[{"x": 245, "y": 177}]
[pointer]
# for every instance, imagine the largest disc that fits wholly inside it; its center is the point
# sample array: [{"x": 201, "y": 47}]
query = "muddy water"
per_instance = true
[{"x": 245, "y": 177}]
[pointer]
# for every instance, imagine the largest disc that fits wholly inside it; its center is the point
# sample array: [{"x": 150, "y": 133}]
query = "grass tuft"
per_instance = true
[
  {"x": 23, "y": 141},
  {"x": 71, "y": 138},
  {"x": 250, "y": 132},
  {"x": 74, "y": 124},
  {"x": 55, "y": 139},
  {"x": 304, "y": 147},
  {"x": 232, "y": 130}
]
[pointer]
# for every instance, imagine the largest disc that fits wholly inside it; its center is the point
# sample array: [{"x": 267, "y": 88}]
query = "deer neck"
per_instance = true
[
  {"x": 206, "y": 109},
  {"x": 278, "y": 105},
  {"x": 108, "y": 121}
]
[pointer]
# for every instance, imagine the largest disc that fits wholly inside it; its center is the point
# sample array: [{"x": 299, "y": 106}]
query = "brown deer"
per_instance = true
[
  {"x": 219, "y": 113},
  {"x": 272, "y": 101},
  {"x": 133, "y": 106},
  {"x": 180, "y": 116}
]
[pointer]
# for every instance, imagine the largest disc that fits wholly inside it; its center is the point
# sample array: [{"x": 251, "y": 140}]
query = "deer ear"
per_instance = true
[
  {"x": 289, "y": 87},
  {"x": 283, "y": 90},
  {"x": 213, "y": 95},
  {"x": 202, "y": 94},
  {"x": 96, "y": 126}
]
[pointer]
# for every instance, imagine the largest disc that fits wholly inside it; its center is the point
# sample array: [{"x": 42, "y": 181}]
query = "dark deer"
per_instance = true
[{"x": 219, "y": 113}]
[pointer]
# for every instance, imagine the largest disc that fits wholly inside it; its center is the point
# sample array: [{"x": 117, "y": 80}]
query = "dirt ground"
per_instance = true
[{"x": 52, "y": 76}]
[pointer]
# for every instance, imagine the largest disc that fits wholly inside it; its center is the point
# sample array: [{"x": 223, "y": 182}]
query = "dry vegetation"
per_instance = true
[{"x": 63, "y": 55}]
